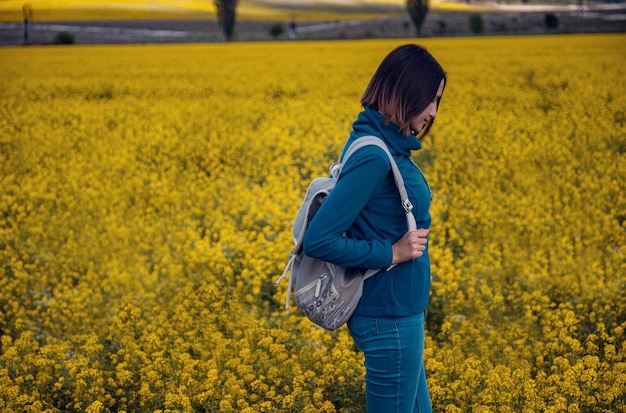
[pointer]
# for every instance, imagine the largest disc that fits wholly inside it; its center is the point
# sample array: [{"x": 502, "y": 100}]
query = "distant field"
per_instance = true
[{"x": 317, "y": 10}]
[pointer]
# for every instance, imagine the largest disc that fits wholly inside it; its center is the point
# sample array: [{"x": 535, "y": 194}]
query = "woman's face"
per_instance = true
[{"x": 428, "y": 114}]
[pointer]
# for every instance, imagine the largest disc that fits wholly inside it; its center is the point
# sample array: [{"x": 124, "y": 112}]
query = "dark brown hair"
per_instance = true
[{"x": 403, "y": 86}]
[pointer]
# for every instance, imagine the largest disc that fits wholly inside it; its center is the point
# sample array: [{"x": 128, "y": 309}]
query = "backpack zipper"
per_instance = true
[{"x": 319, "y": 285}]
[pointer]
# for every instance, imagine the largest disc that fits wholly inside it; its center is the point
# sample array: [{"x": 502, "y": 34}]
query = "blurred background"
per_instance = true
[{"x": 177, "y": 21}]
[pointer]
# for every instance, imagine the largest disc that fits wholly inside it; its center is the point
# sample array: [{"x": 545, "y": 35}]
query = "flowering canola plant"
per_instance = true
[{"x": 147, "y": 195}]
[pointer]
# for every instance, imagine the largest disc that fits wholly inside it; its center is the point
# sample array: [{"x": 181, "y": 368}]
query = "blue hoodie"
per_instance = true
[{"x": 366, "y": 206}]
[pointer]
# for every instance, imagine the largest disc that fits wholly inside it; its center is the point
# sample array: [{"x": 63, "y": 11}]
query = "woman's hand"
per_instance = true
[{"x": 410, "y": 246}]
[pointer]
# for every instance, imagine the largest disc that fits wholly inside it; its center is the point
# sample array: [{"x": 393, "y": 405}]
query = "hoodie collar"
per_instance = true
[{"x": 372, "y": 122}]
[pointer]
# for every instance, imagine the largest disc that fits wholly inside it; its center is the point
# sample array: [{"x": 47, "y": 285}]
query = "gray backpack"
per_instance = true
[{"x": 327, "y": 293}]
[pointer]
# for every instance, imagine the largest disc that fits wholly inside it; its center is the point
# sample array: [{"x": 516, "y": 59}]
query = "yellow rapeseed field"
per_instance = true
[{"x": 147, "y": 194}]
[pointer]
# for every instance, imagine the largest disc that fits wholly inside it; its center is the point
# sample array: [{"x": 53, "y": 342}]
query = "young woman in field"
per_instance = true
[{"x": 399, "y": 106}]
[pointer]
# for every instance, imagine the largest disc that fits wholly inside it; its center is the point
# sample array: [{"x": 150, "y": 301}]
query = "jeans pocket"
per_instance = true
[{"x": 362, "y": 327}]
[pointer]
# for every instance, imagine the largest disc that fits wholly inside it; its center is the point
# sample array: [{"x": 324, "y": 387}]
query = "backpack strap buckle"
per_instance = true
[{"x": 407, "y": 205}]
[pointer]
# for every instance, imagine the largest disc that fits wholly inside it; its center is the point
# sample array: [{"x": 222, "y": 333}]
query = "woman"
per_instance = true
[{"x": 399, "y": 106}]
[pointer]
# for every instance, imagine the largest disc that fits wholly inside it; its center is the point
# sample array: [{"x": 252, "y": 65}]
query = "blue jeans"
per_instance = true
[{"x": 394, "y": 365}]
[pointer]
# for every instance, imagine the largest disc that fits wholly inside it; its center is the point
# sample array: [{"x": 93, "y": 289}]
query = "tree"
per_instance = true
[
  {"x": 27, "y": 11},
  {"x": 226, "y": 13},
  {"x": 476, "y": 23},
  {"x": 417, "y": 10},
  {"x": 64, "y": 37},
  {"x": 552, "y": 22},
  {"x": 276, "y": 30}
]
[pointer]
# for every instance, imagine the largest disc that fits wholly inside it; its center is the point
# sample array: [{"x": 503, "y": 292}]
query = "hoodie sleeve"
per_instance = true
[{"x": 363, "y": 173}]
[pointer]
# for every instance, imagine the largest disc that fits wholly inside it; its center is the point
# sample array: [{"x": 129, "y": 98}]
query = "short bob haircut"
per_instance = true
[{"x": 403, "y": 86}]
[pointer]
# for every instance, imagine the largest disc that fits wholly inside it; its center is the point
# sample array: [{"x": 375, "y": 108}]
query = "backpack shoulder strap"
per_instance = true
[{"x": 397, "y": 176}]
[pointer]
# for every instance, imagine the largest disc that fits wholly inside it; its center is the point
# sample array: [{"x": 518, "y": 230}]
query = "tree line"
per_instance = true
[{"x": 227, "y": 14}]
